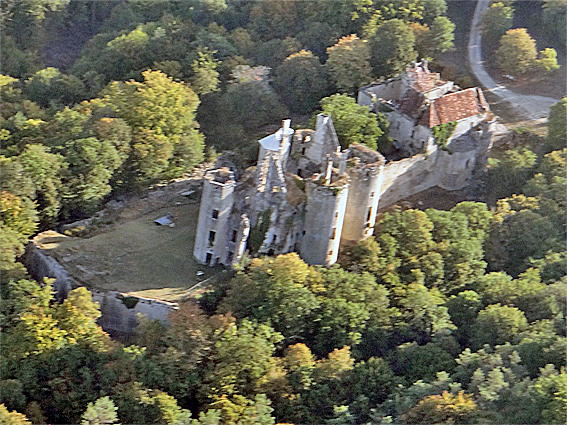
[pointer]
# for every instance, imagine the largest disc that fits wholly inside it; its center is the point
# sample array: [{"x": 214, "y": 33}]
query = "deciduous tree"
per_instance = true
[
  {"x": 301, "y": 82},
  {"x": 392, "y": 48},
  {"x": 348, "y": 64},
  {"x": 495, "y": 21},
  {"x": 517, "y": 52},
  {"x": 353, "y": 123}
]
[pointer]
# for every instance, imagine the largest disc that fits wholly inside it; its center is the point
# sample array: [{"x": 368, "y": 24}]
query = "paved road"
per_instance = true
[{"x": 529, "y": 107}]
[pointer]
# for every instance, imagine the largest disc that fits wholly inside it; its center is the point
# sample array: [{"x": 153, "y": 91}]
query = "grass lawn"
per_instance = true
[{"x": 137, "y": 256}]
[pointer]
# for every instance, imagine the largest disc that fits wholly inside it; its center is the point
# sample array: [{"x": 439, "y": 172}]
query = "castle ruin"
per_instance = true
[{"x": 308, "y": 195}]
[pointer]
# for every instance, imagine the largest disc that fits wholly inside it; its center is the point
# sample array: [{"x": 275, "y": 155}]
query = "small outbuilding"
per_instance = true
[{"x": 167, "y": 220}]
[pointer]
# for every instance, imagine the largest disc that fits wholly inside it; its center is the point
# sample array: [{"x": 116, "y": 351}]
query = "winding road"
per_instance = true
[{"x": 529, "y": 107}]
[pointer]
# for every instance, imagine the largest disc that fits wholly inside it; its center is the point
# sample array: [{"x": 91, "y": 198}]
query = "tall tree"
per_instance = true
[
  {"x": 354, "y": 123},
  {"x": 517, "y": 52},
  {"x": 161, "y": 113},
  {"x": 392, "y": 48},
  {"x": 301, "y": 82},
  {"x": 348, "y": 64},
  {"x": 495, "y": 21},
  {"x": 557, "y": 125}
]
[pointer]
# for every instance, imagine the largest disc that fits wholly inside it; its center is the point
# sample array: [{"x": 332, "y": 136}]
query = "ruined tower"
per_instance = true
[
  {"x": 327, "y": 196},
  {"x": 365, "y": 168},
  {"x": 217, "y": 199}
]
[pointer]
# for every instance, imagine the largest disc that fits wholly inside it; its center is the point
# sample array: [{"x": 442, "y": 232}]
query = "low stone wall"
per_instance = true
[
  {"x": 40, "y": 265},
  {"x": 119, "y": 312}
]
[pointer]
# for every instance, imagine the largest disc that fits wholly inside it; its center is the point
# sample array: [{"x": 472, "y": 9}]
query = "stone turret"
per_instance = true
[
  {"x": 212, "y": 235},
  {"x": 365, "y": 168},
  {"x": 324, "y": 215}
]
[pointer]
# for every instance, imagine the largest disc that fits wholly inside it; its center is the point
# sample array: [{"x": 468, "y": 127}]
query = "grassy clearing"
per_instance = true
[{"x": 136, "y": 257}]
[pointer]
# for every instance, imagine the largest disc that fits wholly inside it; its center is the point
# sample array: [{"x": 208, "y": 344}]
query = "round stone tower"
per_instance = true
[
  {"x": 324, "y": 215},
  {"x": 365, "y": 168}
]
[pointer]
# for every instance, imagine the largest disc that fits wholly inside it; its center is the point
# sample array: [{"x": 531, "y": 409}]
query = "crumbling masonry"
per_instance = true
[{"x": 307, "y": 195}]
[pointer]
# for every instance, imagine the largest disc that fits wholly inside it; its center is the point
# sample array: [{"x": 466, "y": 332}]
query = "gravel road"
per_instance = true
[{"x": 529, "y": 107}]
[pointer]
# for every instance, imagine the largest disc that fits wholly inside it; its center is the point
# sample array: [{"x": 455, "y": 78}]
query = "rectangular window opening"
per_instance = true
[
  {"x": 369, "y": 214},
  {"x": 209, "y": 257},
  {"x": 334, "y": 233},
  {"x": 212, "y": 235},
  {"x": 215, "y": 214},
  {"x": 234, "y": 234}
]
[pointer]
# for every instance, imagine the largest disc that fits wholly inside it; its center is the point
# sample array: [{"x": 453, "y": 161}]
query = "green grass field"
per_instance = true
[{"x": 137, "y": 256}]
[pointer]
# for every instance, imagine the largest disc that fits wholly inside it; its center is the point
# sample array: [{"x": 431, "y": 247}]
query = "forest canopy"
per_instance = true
[{"x": 449, "y": 317}]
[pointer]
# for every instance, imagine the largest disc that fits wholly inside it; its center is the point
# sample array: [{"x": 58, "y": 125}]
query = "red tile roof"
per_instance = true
[
  {"x": 454, "y": 107},
  {"x": 423, "y": 80}
]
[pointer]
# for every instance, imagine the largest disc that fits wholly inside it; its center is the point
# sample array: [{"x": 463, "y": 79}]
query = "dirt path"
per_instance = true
[{"x": 528, "y": 106}]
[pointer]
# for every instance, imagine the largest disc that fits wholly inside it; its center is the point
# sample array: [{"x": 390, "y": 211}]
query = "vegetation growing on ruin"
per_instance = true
[
  {"x": 442, "y": 133},
  {"x": 258, "y": 231},
  {"x": 441, "y": 317}
]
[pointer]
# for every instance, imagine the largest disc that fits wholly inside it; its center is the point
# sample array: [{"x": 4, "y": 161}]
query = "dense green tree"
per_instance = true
[
  {"x": 274, "y": 19},
  {"x": 423, "y": 311},
  {"x": 433, "y": 9},
  {"x": 102, "y": 412},
  {"x": 414, "y": 362},
  {"x": 241, "y": 362},
  {"x": 353, "y": 123},
  {"x": 554, "y": 14},
  {"x": 463, "y": 309},
  {"x": 18, "y": 221},
  {"x": 45, "y": 170},
  {"x": 49, "y": 85},
  {"x": 318, "y": 37},
  {"x": 441, "y": 35},
  {"x": 497, "y": 324},
  {"x": 348, "y": 64},
  {"x": 350, "y": 303},
  {"x": 205, "y": 78},
  {"x": 557, "y": 125},
  {"x": 551, "y": 391},
  {"x": 161, "y": 113},
  {"x": 507, "y": 174},
  {"x": 495, "y": 21},
  {"x": 278, "y": 290},
  {"x": 516, "y": 53},
  {"x": 392, "y": 48},
  {"x": 301, "y": 82}
]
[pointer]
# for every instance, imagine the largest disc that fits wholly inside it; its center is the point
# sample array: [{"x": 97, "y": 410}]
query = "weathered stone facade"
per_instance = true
[
  {"x": 297, "y": 199},
  {"x": 307, "y": 195},
  {"x": 415, "y": 103}
]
